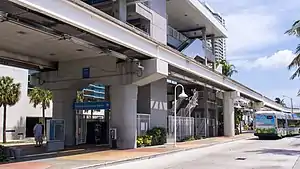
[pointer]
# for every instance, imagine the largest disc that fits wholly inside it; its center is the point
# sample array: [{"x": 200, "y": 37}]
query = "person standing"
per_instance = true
[{"x": 38, "y": 134}]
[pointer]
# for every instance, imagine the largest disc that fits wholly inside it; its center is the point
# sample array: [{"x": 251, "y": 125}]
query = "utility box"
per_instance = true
[
  {"x": 55, "y": 134},
  {"x": 113, "y": 137}
]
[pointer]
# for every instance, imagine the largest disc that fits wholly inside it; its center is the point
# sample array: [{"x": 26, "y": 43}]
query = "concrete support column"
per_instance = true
[
  {"x": 204, "y": 45},
  {"x": 158, "y": 104},
  {"x": 228, "y": 108},
  {"x": 63, "y": 109},
  {"x": 152, "y": 99},
  {"x": 217, "y": 121},
  {"x": 107, "y": 113},
  {"x": 213, "y": 50},
  {"x": 206, "y": 112},
  {"x": 123, "y": 114},
  {"x": 121, "y": 10}
]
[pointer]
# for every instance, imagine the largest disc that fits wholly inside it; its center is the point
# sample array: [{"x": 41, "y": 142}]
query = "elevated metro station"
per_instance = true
[{"x": 133, "y": 48}]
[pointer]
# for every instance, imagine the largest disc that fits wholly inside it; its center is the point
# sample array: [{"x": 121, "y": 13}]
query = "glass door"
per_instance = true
[{"x": 81, "y": 129}]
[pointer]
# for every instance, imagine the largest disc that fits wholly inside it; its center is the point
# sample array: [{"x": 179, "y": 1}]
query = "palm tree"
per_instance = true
[
  {"x": 295, "y": 31},
  {"x": 79, "y": 96},
  {"x": 279, "y": 101},
  {"x": 9, "y": 95},
  {"x": 39, "y": 96},
  {"x": 227, "y": 68}
]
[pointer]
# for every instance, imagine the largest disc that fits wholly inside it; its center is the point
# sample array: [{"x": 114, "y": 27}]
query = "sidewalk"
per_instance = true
[{"x": 110, "y": 157}]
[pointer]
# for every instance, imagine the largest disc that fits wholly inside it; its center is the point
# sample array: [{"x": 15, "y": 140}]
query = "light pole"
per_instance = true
[
  {"x": 292, "y": 106},
  {"x": 182, "y": 95}
]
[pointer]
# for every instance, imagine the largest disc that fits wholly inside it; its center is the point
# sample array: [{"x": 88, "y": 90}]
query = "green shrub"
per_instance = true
[
  {"x": 246, "y": 127},
  {"x": 197, "y": 137},
  {"x": 191, "y": 138},
  {"x": 147, "y": 140},
  {"x": 140, "y": 141},
  {"x": 159, "y": 135}
]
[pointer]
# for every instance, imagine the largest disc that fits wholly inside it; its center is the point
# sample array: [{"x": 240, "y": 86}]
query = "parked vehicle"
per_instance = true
[{"x": 276, "y": 124}]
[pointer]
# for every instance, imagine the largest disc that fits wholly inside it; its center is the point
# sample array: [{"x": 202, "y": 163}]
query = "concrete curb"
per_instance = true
[{"x": 111, "y": 163}]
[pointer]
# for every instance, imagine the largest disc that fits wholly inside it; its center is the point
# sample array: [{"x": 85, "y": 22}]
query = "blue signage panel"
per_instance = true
[
  {"x": 92, "y": 106},
  {"x": 95, "y": 1},
  {"x": 86, "y": 73}
]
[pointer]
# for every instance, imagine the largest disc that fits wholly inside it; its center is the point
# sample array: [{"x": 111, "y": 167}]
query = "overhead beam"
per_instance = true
[
  {"x": 24, "y": 61},
  {"x": 191, "y": 30},
  {"x": 100, "y": 24},
  {"x": 209, "y": 36}
]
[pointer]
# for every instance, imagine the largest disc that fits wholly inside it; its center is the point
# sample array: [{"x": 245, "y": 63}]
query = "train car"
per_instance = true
[
  {"x": 270, "y": 124},
  {"x": 276, "y": 124},
  {"x": 293, "y": 124}
]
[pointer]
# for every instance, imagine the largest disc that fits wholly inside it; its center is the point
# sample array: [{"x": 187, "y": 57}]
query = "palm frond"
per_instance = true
[
  {"x": 80, "y": 96},
  {"x": 10, "y": 92},
  {"x": 228, "y": 69},
  {"x": 295, "y": 30},
  {"x": 39, "y": 96}
]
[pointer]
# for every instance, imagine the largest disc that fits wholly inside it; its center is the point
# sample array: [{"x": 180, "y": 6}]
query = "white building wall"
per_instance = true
[
  {"x": 16, "y": 115},
  {"x": 158, "y": 22}
]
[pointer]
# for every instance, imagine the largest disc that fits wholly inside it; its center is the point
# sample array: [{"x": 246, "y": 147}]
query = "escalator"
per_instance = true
[
  {"x": 177, "y": 40},
  {"x": 185, "y": 44}
]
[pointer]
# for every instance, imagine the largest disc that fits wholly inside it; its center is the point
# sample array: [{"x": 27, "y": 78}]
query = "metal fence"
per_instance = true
[
  {"x": 200, "y": 127},
  {"x": 212, "y": 127},
  {"x": 142, "y": 123},
  {"x": 184, "y": 127}
]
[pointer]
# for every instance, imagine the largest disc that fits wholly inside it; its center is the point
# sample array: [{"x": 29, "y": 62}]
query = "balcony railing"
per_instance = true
[
  {"x": 177, "y": 40},
  {"x": 175, "y": 34}
]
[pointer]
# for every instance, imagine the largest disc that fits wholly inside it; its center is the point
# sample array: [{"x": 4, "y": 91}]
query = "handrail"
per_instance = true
[
  {"x": 179, "y": 101},
  {"x": 192, "y": 103}
]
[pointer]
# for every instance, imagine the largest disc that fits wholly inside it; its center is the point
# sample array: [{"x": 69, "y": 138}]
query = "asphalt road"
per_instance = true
[{"x": 243, "y": 154}]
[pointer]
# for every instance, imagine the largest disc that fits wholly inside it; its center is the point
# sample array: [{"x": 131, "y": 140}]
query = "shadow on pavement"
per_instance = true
[
  {"x": 30, "y": 153},
  {"x": 276, "y": 152}
]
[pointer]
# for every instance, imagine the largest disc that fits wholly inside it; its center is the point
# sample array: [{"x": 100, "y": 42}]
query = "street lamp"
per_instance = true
[
  {"x": 292, "y": 106},
  {"x": 182, "y": 95}
]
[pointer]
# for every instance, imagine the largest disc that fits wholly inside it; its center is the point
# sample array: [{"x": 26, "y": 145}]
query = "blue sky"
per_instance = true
[{"x": 257, "y": 45}]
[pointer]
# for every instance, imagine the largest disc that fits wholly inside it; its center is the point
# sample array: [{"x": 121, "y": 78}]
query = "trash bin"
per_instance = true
[{"x": 113, "y": 137}]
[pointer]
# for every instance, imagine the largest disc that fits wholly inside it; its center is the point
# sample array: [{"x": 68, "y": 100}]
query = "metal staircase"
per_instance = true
[
  {"x": 178, "y": 105},
  {"x": 185, "y": 44},
  {"x": 192, "y": 104},
  {"x": 186, "y": 110}
]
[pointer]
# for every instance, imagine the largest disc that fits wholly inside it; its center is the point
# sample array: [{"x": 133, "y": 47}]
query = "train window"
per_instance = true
[
  {"x": 269, "y": 117},
  {"x": 281, "y": 123}
]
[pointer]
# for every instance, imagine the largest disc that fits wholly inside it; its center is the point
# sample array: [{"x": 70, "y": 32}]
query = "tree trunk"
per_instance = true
[
  {"x": 44, "y": 120},
  {"x": 4, "y": 124}
]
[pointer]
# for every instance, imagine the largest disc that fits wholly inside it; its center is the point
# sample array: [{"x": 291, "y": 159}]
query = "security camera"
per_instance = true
[{"x": 140, "y": 66}]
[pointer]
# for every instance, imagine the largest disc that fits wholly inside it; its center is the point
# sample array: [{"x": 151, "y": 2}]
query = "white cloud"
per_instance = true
[
  {"x": 250, "y": 32},
  {"x": 279, "y": 59},
  {"x": 254, "y": 25}
]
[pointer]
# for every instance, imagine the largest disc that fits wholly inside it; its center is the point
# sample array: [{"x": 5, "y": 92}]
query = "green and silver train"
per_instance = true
[{"x": 276, "y": 124}]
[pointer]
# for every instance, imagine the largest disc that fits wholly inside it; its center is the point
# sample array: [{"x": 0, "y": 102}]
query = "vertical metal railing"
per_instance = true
[
  {"x": 200, "y": 127},
  {"x": 184, "y": 126},
  {"x": 142, "y": 124}
]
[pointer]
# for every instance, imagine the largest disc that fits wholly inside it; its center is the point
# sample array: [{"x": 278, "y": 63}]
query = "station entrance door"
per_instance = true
[
  {"x": 81, "y": 128},
  {"x": 92, "y": 125}
]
